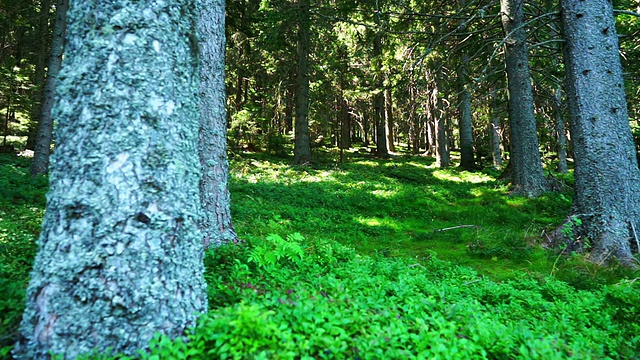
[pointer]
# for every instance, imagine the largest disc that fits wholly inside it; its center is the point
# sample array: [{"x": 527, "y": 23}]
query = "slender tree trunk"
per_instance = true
[
  {"x": 379, "y": 103},
  {"x": 345, "y": 125},
  {"x": 389, "y": 117},
  {"x": 443, "y": 154},
  {"x": 120, "y": 255},
  {"x": 38, "y": 79},
  {"x": 216, "y": 224},
  {"x": 467, "y": 160},
  {"x": 42, "y": 148},
  {"x": 560, "y": 133},
  {"x": 528, "y": 177},
  {"x": 607, "y": 179},
  {"x": 302, "y": 146},
  {"x": 494, "y": 130}
]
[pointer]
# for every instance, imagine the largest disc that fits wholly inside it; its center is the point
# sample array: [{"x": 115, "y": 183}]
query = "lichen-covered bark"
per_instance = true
[
  {"x": 120, "y": 253},
  {"x": 302, "y": 145},
  {"x": 528, "y": 178},
  {"x": 607, "y": 180},
  {"x": 42, "y": 147},
  {"x": 216, "y": 224}
]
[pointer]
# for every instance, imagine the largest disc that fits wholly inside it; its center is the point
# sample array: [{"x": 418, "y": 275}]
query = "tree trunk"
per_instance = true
[
  {"x": 42, "y": 148},
  {"x": 302, "y": 146},
  {"x": 38, "y": 79},
  {"x": 216, "y": 225},
  {"x": 378, "y": 102},
  {"x": 494, "y": 129},
  {"x": 443, "y": 154},
  {"x": 607, "y": 179},
  {"x": 528, "y": 176},
  {"x": 467, "y": 160},
  {"x": 345, "y": 125},
  {"x": 120, "y": 256},
  {"x": 561, "y": 136},
  {"x": 389, "y": 117}
]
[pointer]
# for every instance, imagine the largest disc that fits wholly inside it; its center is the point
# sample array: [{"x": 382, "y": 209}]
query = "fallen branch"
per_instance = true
[{"x": 458, "y": 227}]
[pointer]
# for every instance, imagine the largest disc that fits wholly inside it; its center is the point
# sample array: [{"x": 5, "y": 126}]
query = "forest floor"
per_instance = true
[
  {"x": 407, "y": 207},
  {"x": 371, "y": 258}
]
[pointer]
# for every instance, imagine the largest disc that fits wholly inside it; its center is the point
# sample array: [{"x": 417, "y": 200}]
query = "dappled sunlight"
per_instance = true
[{"x": 462, "y": 176}]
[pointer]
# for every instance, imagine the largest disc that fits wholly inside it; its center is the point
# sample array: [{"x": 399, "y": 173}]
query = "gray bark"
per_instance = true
[
  {"x": 42, "y": 147},
  {"x": 120, "y": 253},
  {"x": 494, "y": 130},
  {"x": 216, "y": 224},
  {"x": 302, "y": 145},
  {"x": 561, "y": 136},
  {"x": 528, "y": 177},
  {"x": 467, "y": 160},
  {"x": 607, "y": 179}
]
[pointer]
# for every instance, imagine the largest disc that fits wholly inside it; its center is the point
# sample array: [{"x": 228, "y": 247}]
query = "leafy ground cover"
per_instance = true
[{"x": 396, "y": 257}]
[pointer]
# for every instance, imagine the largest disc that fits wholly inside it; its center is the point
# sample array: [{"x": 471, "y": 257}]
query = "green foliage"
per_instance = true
[
  {"x": 21, "y": 211},
  {"x": 366, "y": 307}
]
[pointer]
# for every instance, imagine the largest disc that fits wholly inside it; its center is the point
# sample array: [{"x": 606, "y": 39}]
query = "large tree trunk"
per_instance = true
[
  {"x": 302, "y": 146},
  {"x": 216, "y": 224},
  {"x": 42, "y": 147},
  {"x": 120, "y": 253},
  {"x": 467, "y": 160},
  {"x": 528, "y": 178},
  {"x": 607, "y": 179}
]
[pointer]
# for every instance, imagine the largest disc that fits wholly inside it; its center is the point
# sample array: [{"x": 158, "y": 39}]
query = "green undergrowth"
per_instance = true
[
  {"x": 407, "y": 207},
  {"x": 291, "y": 298},
  {"x": 397, "y": 257}
]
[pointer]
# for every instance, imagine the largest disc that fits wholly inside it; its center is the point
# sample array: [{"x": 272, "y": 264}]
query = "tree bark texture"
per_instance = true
[
  {"x": 120, "y": 253},
  {"x": 467, "y": 160},
  {"x": 528, "y": 176},
  {"x": 42, "y": 147},
  {"x": 216, "y": 225},
  {"x": 607, "y": 179},
  {"x": 302, "y": 145}
]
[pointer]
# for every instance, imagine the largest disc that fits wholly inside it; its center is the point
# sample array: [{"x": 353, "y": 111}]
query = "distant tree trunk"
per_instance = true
[
  {"x": 467, "y": 160},
  {"x": 607, "y": 179},
  {"x": 120, "y": 256},
  {"x": 528, "y": 177},
  {"x": 38, "y": 79},
  {"x": 560, "y": 133},
  {"x": 302, "y": 146},
  {"x": 42, "y": 148},
  {"x": 494, "y": 129},
  {"x": 345, "y": 125},
  {"x": 366, "y": 125},
  {"x": 389, "y": 117},
  {"x": 379, "y": 103},
  {"x": 216, "y": 224},
  {"x": 443, "y": 154}
]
